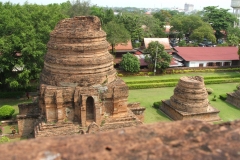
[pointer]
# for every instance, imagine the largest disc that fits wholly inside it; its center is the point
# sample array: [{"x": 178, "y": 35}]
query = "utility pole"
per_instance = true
[{"x": 155, "y": 61}]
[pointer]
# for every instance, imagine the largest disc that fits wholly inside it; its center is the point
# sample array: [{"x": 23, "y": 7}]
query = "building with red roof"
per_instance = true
[{"x": 207, "y": 56}]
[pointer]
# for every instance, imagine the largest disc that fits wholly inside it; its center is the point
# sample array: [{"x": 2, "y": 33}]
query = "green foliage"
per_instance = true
[
  {"x": 4, "y": 139},
  {"x": 6, "y": 112},
  {"x": 78, "y": 8},
  {"x": 204, "y": 31},
  {"x": 24, "y": 33},
  {"x": 105, "y": 15},
  {"x": 156, "y": 105},
  {"x": 12, "y": 94},
  {"x": 187, "y": 24},
  {"x": 232, "y": 39},
  {"x": 155, "y": 51},
  {"x": 182, "y": 43},
  {"x": 214, "y": 98},
  {"x": 209, "y": 91},
  {"x": 223, "y": 97},
  {"x": 130, "y": 63},
  {"x": 116, "y": 34},
  {"x": 219, "y": 18}
]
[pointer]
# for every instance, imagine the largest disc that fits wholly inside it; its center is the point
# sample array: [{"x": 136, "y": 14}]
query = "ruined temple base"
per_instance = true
[
  {"x": 210, "y": 116},
  {"x": 233, "y": 99}
]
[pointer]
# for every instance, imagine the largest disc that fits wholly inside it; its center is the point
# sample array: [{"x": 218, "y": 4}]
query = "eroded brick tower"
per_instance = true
[{"x": 78, "y": 81}]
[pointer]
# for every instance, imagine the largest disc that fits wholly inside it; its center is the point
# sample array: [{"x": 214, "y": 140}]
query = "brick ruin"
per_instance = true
[
  {"x": 234, "y": 98},
  {"x": 78, "y": 83},
  {"x": 190, "y": 101}
]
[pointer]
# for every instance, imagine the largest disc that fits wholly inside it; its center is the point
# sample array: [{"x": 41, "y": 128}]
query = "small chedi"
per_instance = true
[
  {"x": 79, "y": 85},
  {"x": 234, "y": 98},
  {"x": 190, "y": 101}
]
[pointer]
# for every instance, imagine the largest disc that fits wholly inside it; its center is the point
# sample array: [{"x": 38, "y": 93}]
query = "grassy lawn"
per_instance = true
[
  {"x": 147, "y": 96},
  {"x": 168, "y": 76}
]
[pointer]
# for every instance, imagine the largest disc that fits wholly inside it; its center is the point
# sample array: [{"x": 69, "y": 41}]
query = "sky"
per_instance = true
[{"x": 198, "y": 4}]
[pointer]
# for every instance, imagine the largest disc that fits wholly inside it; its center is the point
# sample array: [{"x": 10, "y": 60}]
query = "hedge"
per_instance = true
[
  {"x": 223, "y": 97},
  {"x": 13, "y": 94},
  {"x": 176, "y": 80},
  {"x": 173, "y": 84}
]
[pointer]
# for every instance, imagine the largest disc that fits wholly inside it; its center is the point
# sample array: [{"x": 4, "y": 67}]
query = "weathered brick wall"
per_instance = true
[
  {"x": 28, "y": 109},
  {"x": 26, "y": 125}
]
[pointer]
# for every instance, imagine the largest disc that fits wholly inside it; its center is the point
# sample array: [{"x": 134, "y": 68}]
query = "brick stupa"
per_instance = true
[
  {"x": 190, "y": 101},
  {"x": 79, "y": 83}
]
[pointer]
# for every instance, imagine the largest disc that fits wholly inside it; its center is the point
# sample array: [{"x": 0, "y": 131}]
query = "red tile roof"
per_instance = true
[{"x": 208, "y": 53}]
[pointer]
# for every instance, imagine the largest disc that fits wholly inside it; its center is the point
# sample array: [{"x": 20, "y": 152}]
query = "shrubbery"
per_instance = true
[
  {"x": 223, "y": 97},
  {"x": 6, "y": 112},
  {"x": 13, "y": 94},
  {"x": 157, "y": 105},
  {"x": 4, "y": 139},
  {"x": 209, "y": 90}
]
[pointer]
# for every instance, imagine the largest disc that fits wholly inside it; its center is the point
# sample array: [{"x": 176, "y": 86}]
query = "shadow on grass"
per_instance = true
[
  {"x": 230, "y": 105},
  {"x": 162, "y": 114}
]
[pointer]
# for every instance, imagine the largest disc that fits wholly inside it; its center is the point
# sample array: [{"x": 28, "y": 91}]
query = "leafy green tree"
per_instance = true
[
  {"x": 232, "y": 40},
  {"x": 132, "y": 22},
  {"x": 79, "y": 8},
  {"x": 116, "y": 34},
  {"x": 130, "y": 63},
  {"x": 185, "y": 24},
  {"x": 219, "y": 18},
  {"x": 105, "y": 15},
  {"x": 24, "y": 33},
  {"x": 155, "y": 51},
  {"x": 204, "y": 31},
  {"x": 163, "y": 16}
]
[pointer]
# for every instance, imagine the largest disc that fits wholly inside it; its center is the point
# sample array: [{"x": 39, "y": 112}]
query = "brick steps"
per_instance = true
[{"x": 58, "y": 129}]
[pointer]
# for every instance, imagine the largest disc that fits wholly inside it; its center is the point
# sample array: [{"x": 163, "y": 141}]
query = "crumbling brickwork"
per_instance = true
[
  {"x": 190, "y": 101},
  {"x": 78, "y": 82}
]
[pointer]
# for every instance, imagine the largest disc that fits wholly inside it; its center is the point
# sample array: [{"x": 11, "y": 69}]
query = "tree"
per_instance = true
[
  {"x": 116, "y": 34},
  {"x": 232, "y": 40},
  {"x": 163, "y": 16},
  {"x": 105, "y": 15},
  {"x": 79, "y": 8},
  {"x": 155, "y": 51},
  {"x": 130, "y": 63},
  {"x": 24, "y": 33},
  {"x": 132, "y": 22},
  {"x": 204, "y": 31},
  {"x": 219, "y": 18}
]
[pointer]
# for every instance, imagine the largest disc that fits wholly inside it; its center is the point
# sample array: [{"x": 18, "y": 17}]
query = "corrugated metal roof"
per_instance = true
[
  {"x": 208, "y": 53},
  {"x": 123, "y": 46}
]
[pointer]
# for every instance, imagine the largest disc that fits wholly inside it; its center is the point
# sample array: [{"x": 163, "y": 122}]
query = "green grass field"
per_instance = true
[{"x": 147, "y": 96}]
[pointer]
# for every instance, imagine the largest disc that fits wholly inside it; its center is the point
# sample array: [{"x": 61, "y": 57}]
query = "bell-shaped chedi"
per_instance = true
[
  {"x": 78, "y": 54},
  {"x": 190, "y": 101},
  {"x": 78, "y": 82}
]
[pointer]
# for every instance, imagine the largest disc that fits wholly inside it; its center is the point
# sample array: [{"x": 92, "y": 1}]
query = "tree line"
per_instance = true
[{"x": 24, "y": 32}]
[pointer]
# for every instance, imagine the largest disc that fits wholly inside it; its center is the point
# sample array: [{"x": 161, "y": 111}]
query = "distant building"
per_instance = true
[{"x": 188, "y": 7}]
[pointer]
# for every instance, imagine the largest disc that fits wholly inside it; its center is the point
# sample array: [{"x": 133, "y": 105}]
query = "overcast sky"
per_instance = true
[{"x": 198, "y": 4}]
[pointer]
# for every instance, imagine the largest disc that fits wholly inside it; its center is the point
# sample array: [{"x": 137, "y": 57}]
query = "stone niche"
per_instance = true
[
  {"x": 78, "y": 82},
  {"x": 190, "y": 101}
]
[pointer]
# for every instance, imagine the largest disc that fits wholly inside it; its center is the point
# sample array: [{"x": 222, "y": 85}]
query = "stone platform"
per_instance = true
[{"x": 209, "y": 116}]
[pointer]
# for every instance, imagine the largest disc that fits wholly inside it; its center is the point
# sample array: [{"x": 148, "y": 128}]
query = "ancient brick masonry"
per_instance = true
[
  {"x": 78, "y": 82},
  {"x": 190, "y": 140},
  {"x": 190, "y": 101},
  {"x": 234, "y": 98}
]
